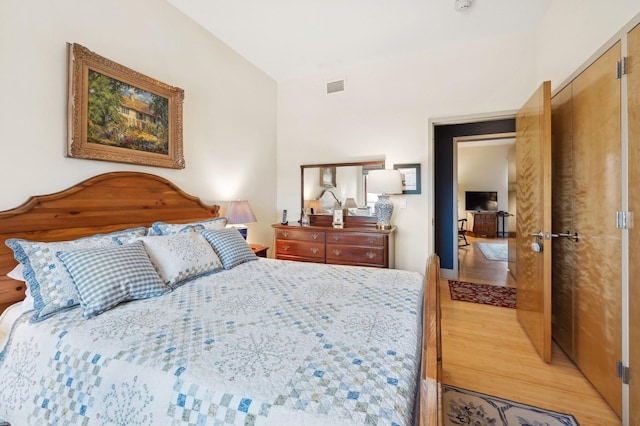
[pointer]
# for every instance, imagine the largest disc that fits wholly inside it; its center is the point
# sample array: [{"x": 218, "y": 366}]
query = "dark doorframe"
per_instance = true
[{"x": 443, "y": 173}]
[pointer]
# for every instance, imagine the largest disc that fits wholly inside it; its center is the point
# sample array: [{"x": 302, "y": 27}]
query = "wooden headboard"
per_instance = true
[{"x": 104, "y": 203}]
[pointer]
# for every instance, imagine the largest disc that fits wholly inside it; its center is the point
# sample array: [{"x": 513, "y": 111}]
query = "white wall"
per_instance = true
[
  {"x": 384, "y": 113},
  {"x": 229, "y": 107},
  {"x": 483, "y": 168},
  {"x": 573, "y": 30}
]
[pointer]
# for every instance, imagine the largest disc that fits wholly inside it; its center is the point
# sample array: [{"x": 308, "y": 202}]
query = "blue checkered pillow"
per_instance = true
[
  {"x": 48, "y": 281},
  {"x": 230, "y": 246},
  {"x": 162, "y": 228},
  {"x": 105, "y": 277}
]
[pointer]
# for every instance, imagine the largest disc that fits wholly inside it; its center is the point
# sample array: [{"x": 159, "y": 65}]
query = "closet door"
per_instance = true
[
  {"x": 533, "y": 198},
  {"x": 633, "y": 81},
  {"x": 597, "y": 196},
  {"x": 562, "y": 211}
]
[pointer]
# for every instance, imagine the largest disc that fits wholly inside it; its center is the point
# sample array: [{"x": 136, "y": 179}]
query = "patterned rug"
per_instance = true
[
  {"x": 494, "y": 251},
  {"x": 465, "y": 407},
  {"x": 486, "y": 294}
]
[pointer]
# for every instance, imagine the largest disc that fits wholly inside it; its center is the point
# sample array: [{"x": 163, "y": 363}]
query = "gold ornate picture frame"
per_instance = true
[
  {"x": 117, "y": 114},
  {"x": 328, "y": 177}
]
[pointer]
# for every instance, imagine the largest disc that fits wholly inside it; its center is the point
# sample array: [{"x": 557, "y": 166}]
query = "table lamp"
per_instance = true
[
  {"x": 350, "y": 203},
  {"x": 315, "y": 206},
  {"x": 384, "y": 182},
  {"x": 238, "y": 214}
]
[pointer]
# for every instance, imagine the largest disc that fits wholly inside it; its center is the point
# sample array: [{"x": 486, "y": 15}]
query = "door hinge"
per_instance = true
[
  {"x": 623, "y": 372},
  {"x": 624, "y": 220},
  {"x": 622, "y": 67}
]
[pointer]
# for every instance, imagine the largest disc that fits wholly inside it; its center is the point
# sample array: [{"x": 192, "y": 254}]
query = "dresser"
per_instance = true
[
  {"x": 485, "y": 224},
  {"x": 341, "y": 246}
]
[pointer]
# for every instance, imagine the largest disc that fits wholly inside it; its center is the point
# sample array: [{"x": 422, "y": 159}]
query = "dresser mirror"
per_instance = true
[{"x": 328, "y": 187}]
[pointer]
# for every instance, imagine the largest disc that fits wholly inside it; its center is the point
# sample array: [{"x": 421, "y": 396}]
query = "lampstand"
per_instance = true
[
  {"x": 238, "y": 214},
  {"x": 384, "y": 182}
]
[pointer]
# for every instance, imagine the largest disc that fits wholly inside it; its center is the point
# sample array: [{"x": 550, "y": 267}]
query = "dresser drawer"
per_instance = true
[
  {"x": 355, "y": 255},
  {"x": 299, "y": 235},
  {"x": 306, "y": 249},
  {"x": 356, "y": 239}
]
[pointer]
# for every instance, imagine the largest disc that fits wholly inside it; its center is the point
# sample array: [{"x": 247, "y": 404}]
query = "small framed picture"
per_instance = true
[
  {"x": 328, "y": 177},
  {"x": 337, "y": 218},
  {"x": 410, "y": 177}
]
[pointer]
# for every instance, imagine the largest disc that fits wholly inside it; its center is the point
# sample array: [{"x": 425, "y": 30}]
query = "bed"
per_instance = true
[{"x": 233, "y": 340}]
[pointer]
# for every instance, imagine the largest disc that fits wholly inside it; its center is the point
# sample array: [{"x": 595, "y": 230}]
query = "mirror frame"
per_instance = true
[{"x": 349, "y": 221}]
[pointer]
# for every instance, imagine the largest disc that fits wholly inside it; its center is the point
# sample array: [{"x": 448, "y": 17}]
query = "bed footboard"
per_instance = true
[{"x": 431, "y": 368}]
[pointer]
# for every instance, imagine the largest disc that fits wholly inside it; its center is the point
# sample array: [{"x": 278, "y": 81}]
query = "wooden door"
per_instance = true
[
  {"x": 633, "y": 84},
  {"x": 564, "y": 261},
  {"x": 533, "y": 198},
  {"x": 597, "y": 197}
]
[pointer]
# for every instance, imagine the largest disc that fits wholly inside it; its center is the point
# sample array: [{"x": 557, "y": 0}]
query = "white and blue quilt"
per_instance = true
[{"x": 267, "y": 342}]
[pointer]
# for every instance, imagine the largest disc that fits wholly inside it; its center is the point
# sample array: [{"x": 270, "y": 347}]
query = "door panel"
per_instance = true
[
  {"x": 533, "y": 198},
  {"x": 563, "y": 256},
  {"x": 597, "y": 186},
  {"x": 633, "y": 82}
]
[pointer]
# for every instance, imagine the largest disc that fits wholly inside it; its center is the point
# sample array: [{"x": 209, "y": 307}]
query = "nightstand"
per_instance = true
[{"x": 260, "y": 251}]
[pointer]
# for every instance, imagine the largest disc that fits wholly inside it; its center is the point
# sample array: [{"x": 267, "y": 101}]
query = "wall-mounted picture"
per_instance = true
[
  {"x": 117, "y": 114},
  {"x": 328, "y": 177},
  {"x": 410, "y": 177}
]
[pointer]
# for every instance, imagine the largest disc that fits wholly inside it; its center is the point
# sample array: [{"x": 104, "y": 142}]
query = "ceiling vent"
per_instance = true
[
  {"x": 463, "y": 5},
  {"x": 335, "y": 86}
]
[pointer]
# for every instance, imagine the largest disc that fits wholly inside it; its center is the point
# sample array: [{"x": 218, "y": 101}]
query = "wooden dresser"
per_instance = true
[
  {"x": 346, "y": 246},
  {"x": 485, "y": 224}
]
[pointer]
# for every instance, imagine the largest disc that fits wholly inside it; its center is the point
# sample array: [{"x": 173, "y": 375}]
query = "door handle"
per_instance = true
[
  {"x": 537, "y": 234},
  {"x": 575, "y": 237}
]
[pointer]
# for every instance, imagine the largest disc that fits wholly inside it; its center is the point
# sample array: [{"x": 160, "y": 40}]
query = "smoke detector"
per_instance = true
[{"x": 462, "y": 5}]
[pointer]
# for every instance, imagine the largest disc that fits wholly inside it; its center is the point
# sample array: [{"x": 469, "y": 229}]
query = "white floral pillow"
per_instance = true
[{"x": 178, "y": 257}]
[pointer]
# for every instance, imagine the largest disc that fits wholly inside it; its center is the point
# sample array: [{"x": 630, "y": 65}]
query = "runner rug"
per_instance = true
[
  {"x": 494, "y": 251},
  {"x": 465, "y": 407},
  {"x": 486, "y": 294}
]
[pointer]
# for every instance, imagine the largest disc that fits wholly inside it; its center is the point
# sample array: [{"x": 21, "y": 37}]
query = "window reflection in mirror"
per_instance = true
[{"x": 327, "y": 187}]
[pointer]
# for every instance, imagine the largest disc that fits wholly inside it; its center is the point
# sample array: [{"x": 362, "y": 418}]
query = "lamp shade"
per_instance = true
[
  {"x": 384, "y": 181},
  {"x": 239, "y": 212},
  {"x": 350, "y": 203},
  {"x": 315, "y": 206}
]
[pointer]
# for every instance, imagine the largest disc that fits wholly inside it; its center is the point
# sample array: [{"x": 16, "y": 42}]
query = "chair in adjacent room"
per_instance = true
[{"x": 462, "y": 232}]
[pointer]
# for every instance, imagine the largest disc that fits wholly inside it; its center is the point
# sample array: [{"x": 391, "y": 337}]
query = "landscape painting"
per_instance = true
[
  {"x": 117, "y": 114},
  {"x": 126, "y": 116}
]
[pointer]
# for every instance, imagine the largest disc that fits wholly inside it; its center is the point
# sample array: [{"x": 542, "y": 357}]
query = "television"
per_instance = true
[{"x": 481, "y": 200}]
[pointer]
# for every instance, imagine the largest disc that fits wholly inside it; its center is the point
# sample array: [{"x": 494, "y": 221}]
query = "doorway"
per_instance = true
[{"x": 445, "y": 178}]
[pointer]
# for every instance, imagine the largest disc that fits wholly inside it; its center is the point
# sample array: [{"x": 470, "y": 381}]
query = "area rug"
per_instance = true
[
  {"x": 465, "y": 407},
  {"x": 494, "y": 251},
  {"x": 486, "y": 294}
]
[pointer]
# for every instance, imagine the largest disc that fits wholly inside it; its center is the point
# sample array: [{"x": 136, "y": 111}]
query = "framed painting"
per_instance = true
[
  {"x": 328, "y": 177},
  {"x": 410, "y": 177},
  {"x": 117, "y": 114}
]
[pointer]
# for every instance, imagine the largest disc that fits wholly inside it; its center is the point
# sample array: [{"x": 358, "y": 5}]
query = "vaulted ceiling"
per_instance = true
[{"x": 297, "y": 38}]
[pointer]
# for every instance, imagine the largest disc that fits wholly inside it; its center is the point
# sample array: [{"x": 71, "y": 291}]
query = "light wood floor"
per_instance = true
[{"x": 485, "y": 349}]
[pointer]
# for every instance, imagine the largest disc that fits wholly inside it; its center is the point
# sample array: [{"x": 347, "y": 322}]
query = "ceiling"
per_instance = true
[{"x": 296, "y": 38}]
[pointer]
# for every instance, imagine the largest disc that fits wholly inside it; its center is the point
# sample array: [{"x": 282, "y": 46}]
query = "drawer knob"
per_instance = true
[
  {"x": 336, "y": 237},
  {"x": 370, "y": 255},
  {"x": 314, "y": 236},
  {"x": 371, "y": 240},
  {"x": 285, "y": 234},
  {"x": 314, "y": 250},
  {"x": 285, "y": 248},
  {"x": 337, "y": 252}
]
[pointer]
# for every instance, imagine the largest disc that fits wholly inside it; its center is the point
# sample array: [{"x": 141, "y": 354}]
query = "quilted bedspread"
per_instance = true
[{"x": 268, "y": 342}]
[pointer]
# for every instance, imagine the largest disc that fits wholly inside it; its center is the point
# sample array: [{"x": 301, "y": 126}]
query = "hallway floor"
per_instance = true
[{"x": 485, "y": 349}]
